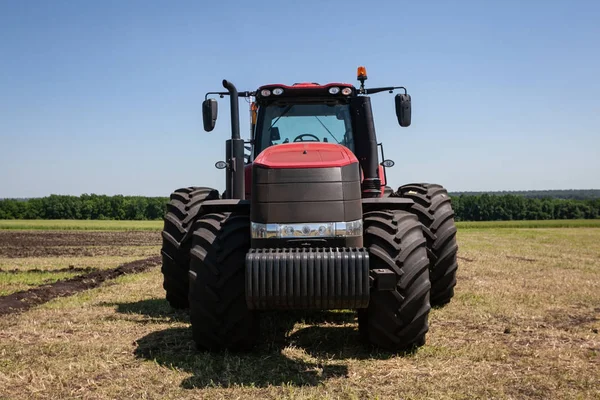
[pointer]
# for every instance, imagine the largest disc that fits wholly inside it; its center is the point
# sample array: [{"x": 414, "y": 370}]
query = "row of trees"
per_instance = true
[
  {"x": 86, "y": 206},
  {"x": 484, "y": 207},
  {"x": 572, "y": 194}
]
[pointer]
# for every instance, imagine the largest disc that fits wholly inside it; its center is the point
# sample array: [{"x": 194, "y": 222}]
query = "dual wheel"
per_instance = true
[
  {"x": 182, "y": 212},
  {"x": 397, "y": 240}
]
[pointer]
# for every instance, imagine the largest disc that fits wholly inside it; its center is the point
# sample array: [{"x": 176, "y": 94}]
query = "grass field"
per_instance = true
[
  {"x": 110, "y": 225},
  {"x": 523, "y": 324},
  {"x": 71, "y": 224}
]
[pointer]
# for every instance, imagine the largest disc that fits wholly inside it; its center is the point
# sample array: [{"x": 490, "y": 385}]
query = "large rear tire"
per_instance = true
[
  {"x": 182, "y": 211},
  {"x": 434, "y": 209},
  {"x": 218, "y": 312},
  {"x": 397, "y": 319}
]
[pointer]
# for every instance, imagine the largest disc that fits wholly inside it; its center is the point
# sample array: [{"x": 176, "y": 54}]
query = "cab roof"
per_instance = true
[
  {"x": 305, "y": 85},
  {"x": 266, "y": 93}
]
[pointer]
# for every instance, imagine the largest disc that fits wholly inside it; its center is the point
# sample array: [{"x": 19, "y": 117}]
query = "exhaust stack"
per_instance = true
[{"x": 234, "y": 151}]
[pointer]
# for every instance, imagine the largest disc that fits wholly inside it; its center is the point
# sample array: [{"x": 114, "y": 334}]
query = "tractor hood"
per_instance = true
[{"x": 305, "y": 155}]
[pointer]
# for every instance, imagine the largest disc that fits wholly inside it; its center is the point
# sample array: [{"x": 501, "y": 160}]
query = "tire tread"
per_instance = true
[
  {"x": 433, "y": 207},
  {"x": 182, "y": 211}
]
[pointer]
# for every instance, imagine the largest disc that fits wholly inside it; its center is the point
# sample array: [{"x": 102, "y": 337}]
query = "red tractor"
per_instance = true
[{"x": 307, "y": 221}]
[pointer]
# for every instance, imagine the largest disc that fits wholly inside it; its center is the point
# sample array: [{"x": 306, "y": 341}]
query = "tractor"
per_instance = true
[{"x": 308, "y": 221}]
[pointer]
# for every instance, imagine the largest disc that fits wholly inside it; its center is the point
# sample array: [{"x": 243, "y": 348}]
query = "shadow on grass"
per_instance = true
[
  {"x": 307, "y": 357},
  {"x": 265, "y": 366},
  {"x": 157, "y": 309},
  {"x": 160, "y": 309}
]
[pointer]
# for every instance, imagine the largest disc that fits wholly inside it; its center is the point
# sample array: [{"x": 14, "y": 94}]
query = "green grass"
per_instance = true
[
  {"x": 555, "y": 223},
  {"x": 86, "y": 225},
  {"x": 15, "y": 282}
]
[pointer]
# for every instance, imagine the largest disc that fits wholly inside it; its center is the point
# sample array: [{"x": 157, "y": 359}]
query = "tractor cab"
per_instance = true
[
  {"x": 303, "y": 112},
  {"x": 336, "y": 113}
]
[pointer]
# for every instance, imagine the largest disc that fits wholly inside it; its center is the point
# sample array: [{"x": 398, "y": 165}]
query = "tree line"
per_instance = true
[
  {"x": 486, "y": 207},
  {"x": 481, "y": 207},
  {"x": 574, "y": 194},
  {"x": 86, "y": 206}
]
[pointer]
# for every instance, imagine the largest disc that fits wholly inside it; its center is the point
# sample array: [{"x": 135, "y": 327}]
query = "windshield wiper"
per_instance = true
[
  {"x": 280, "y": 115},
  {"x": 328, "y": 131}
]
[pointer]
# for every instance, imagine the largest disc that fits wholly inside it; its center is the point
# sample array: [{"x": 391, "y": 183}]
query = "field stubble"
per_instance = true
[{"x": 523, "y": 324}]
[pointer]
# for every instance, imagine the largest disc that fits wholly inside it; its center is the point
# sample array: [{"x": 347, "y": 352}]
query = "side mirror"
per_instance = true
[
  {"x": 275, "y": 136},
  {"x": 403, "y": 109},
  {"x": 209, "y": 114}
]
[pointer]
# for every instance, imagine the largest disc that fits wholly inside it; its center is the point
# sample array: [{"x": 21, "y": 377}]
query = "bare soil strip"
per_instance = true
[
  {"x": 44, "y": 271},
  {"x": 19, "y": 244},
  {"x": 22, "y": 301}
]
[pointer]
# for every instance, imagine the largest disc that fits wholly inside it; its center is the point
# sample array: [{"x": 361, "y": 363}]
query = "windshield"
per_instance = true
[{"x": 329, "y": 123}]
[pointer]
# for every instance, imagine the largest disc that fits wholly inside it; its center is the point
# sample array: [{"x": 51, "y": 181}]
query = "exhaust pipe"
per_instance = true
[
  {"x": 234, "y": 151},
  {"x": 366, "y": 146}
]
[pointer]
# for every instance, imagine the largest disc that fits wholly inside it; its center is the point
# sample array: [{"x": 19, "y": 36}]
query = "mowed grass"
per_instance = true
[
  {"x": 555, "y": 223},
  {"x": 90, "y": 225},
  {"x": 523, "y": 324},
  {"x": 110, "y": 225}
]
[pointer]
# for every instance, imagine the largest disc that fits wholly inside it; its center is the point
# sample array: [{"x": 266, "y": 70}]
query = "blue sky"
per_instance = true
[{"x": 105, "y": 97}]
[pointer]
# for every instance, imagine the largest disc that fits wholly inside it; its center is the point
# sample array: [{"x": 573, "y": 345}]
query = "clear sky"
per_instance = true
[{"x": 105, "y": 97}]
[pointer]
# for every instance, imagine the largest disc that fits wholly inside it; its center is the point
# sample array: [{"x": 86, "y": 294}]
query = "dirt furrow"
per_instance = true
[{"x": 22, "y": 301}]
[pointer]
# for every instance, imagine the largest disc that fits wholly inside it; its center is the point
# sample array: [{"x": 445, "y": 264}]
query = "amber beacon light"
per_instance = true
[{"x": 361, "y": 74}]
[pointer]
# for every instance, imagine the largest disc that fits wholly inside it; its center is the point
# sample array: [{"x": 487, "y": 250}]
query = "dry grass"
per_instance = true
[
  {"x": 554, "y": 223},
  {"x": 523, "y": 324},
  {"x": 72, "y": 224}
]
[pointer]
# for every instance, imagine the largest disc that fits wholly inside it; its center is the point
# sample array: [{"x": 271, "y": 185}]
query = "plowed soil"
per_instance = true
[
  {"x": 16, "y": 244},
  {"x": 22, "y": 301}
]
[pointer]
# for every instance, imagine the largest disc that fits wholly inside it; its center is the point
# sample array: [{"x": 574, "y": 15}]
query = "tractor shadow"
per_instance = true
[
  {"x": 305, "y": 357},
  {"x": 157, "y": 310}
]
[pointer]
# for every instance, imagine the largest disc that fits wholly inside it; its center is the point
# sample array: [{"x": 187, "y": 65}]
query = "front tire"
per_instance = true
[
  {"x": 398, "y": 319},
  {"x": 182, "y": 211},
  {"x": 218, "y": 312},
  {"x": 434, "y": 209}
]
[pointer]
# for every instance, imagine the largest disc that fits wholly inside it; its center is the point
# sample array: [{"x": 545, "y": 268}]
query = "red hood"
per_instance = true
[{"x": 305, "y": 155}]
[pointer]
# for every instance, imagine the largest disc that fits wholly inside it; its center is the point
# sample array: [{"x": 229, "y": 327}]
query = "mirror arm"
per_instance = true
[
  {"x": 380, "y": 145},
  {"x": 384, "y": 89},
  {"x": 223, "y": 94}
]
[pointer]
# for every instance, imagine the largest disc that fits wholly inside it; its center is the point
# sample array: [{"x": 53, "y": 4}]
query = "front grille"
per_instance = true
[{"x": 314, "y": 278}]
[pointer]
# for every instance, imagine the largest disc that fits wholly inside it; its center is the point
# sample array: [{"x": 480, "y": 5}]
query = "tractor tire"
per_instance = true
[
  {"x": 397, "y": 320},
  {"x": 182, "y": 211},
  {"x": 434, "y": 209},
  {"x": 218, "y": 312}
]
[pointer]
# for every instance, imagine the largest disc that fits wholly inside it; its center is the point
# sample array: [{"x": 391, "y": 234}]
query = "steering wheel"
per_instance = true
[{"x": 299, "y": 138}]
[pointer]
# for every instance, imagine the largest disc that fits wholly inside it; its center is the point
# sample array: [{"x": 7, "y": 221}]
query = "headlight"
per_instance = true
[
  {"x": 346, "y": 91},
  {"x": 277, "y": 91},
  {"x": 306, "y": 230},
  {"x": 352, "y": 228},
  {"x": 263, "y": 231},
  {"x": 334, "y": 90},
  {"x": 265, "y": 92}
]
